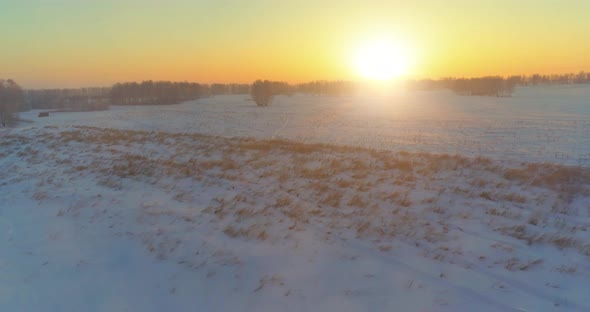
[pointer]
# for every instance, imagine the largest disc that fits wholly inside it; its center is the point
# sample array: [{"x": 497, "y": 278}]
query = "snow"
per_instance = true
[
  {"x": 538, "y": 124},
  {"x": 204, "y": 206}
]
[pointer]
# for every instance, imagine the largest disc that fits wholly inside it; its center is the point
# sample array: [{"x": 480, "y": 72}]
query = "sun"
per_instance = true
[{"x": 381, "y": 59}]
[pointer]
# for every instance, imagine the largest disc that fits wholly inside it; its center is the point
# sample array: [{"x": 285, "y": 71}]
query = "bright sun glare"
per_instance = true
[{"x": 381, "y": 59}]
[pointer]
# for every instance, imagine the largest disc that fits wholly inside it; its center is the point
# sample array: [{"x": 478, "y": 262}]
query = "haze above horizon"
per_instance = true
[{"x": 70, "y": 43}]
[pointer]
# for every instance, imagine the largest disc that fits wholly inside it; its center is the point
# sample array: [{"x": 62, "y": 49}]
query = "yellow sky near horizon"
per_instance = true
[{"x": 73, "y": 43}]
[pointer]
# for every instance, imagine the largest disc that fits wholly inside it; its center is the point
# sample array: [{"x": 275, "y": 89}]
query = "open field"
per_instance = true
[
  {"x": 539, "y": 124},
  {"x": 427, "y": 202}
]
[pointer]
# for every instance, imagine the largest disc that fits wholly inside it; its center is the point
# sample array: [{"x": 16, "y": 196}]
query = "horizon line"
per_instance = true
[{"x": 394, "y": 80}]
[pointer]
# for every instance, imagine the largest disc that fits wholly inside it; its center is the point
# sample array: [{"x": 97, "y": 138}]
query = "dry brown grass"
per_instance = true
[
  {"x": 297, "y": 213},
  {"x": 283, "y": 201},
  {"x": 486, "y": 196},
  {"x": 40, "y": 195},
  {"x": 251, "y": 232},
  {"x": 357, "y": 201},
  {"x": 515, "y": 264},
  {"x": 315, "y": 179},
  {"x": 332, "y": 199},
  {"x": 315, "y": 174},
  {"x": 515, "y": 198},
  {"x": 564, "y": 179}
]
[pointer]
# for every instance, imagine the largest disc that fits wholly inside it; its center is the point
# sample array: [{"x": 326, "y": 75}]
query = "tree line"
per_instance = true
[
  {"x": 229, "y": 88},
  {"x": 263, "y": 91},
  {"x": 488, "y": 86},
  {"x": 168, "y": 92},
  {"x": 82, "y": 99},
  {"x": 14, "y": 99},
  {"x": 155, "y": 92},
  {"x": 331, "y": 88},
  {"x": 556, "y": 79},
  {"x": 127, "y": 93},
  {"x": 496, "y": 85}
]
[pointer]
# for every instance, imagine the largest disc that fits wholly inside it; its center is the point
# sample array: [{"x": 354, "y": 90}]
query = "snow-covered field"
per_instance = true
[
  {"x": 203, "y": 206},
  {"x": 540, "y": 124}
]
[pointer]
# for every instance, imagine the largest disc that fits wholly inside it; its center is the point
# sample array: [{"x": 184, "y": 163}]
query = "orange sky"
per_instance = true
[{"x": 73, "y": 43}]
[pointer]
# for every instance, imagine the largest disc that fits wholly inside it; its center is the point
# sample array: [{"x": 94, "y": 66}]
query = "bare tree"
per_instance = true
[
  {"x": 156, "y": 92},
  {"x": 262, "y": 92},
  {"x": 11, "y": 98}
]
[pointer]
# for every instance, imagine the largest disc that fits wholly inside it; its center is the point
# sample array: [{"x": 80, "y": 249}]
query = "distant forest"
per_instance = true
[
  {"x": 496, "y": 85},
  {"x": 13, "y": 98},
  {"x": 128, "y": 93}
]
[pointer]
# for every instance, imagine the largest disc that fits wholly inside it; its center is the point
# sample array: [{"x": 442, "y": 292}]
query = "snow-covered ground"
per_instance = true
[
  {"x": 540, "y": 124},
  {"x": 174, "y": 209}
]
